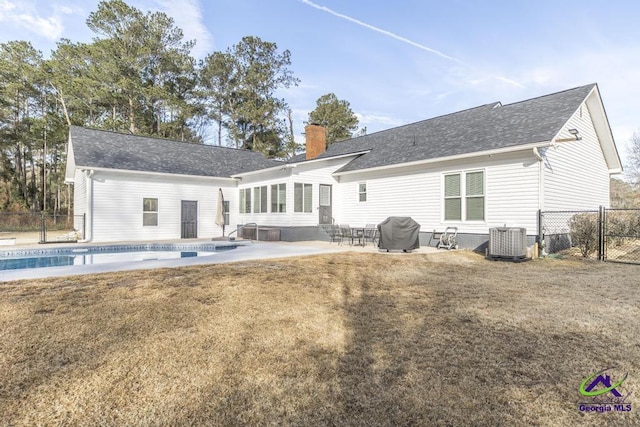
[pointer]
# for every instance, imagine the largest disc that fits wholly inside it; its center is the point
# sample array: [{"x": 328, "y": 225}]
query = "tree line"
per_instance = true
[{"x": 137, "y": 75}]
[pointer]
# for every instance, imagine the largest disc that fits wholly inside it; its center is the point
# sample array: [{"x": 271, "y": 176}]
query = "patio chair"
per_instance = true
[
  {"x": 337, "y": 233},
  {"x": 370, "y": 233},
  {"x": 333, "y": 231},
  {"x": 345, "y": 233}
]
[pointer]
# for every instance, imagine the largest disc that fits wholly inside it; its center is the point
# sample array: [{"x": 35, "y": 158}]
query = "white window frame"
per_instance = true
[
  {"x": 226, "y": 213},
  {"x": 482, "y": 196},
  {"x": 305, "y": 187},
  {"x": 260, "y": 199},
  {"x": 150, "y": 213},
  {"x": 362, "y": 193},
  {"x": 244, "y": 192},
  {"x": 464, "y": 197},
  {"x": 445, "y": 197},
  {"x": 280, "y": 202}
]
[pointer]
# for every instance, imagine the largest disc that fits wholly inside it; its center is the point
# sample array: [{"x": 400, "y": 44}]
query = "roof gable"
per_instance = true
[
  {"x": 603, "y": 130},
  {"x": 112, "y": 150}
]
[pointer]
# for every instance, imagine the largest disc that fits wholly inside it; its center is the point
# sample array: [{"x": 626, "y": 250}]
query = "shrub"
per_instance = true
[{"x": 584, "y": 232}]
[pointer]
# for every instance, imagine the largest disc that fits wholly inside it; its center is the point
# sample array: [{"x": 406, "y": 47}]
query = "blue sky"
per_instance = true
[{"x": 400, "y": 62}]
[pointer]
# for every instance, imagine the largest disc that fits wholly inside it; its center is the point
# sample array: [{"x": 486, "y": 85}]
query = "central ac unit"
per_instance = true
[{"x": 508, "y": 243}]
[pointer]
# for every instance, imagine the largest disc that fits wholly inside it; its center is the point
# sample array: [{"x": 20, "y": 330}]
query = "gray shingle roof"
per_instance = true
[
  {"x": 483, "y": 128},
  {"x": 487, "y": 127},
  {"x": 112, "y": 150}
]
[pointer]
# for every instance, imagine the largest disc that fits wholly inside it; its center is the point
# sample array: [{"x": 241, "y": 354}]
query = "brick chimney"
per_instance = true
[{"x": 316, "y": 140}]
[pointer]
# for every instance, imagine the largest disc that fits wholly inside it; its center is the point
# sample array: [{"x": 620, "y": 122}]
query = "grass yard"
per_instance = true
[{"x": 339, "y": 339}]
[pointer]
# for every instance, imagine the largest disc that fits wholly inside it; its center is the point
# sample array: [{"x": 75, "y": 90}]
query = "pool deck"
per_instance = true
[{"x": 246, "y": 250}]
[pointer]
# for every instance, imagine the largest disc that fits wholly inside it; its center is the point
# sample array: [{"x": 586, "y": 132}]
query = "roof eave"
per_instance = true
[
  {"x": 257, "y": 171},
  {"x": 523, "y": 147},
  {"x": 102, "y": 169},
  {"x": 338, "y": 156},
  {"x": 603, "y": 129},
  {"x": 294, "y": 165}
]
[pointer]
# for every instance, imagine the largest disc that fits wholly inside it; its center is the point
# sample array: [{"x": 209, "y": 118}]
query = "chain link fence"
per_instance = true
[
  {"x": 604, "y": 234},
  {"x": 51, "y": 228},
  {"x": 570, "y": 231},
  {"x": 622, "y": 235}
]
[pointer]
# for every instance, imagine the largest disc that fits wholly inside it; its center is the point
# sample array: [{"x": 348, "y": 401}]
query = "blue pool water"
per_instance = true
[{"x": 19, "y": 260}]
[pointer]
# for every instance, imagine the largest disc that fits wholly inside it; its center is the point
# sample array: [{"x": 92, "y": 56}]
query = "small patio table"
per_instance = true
[{"x": 357, "y": 233}]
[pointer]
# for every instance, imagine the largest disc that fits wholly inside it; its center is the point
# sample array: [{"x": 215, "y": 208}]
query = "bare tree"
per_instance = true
[{"x": 634, "y": 159}]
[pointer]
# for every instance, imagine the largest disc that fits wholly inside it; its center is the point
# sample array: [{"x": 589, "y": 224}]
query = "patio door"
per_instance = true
[
  {"x": 189, "y": 219},
  {"x": 324, "y": 211}
]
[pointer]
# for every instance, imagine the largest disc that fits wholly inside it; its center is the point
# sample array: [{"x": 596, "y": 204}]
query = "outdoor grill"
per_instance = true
[{"x": 399, "y": 233}]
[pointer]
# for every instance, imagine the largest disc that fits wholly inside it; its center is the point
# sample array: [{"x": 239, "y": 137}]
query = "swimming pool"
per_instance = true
[
  {"x": 242, "y": 251},
  {"x": 89, "y": 255}
]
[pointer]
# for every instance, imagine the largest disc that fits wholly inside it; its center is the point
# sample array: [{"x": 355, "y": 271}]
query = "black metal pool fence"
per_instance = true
[{"x": 52, "y": 228}]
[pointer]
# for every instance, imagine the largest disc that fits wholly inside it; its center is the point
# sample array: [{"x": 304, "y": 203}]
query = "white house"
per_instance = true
[{"x": 488, "y": 166}]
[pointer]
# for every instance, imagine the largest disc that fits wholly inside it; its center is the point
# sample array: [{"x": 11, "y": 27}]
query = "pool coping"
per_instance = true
[
  {"x": 120, "y": 247},
  {"x": 244, "y": 251}
]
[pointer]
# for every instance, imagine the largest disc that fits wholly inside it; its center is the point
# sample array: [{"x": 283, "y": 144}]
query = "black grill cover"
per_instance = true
[{"x": 399, "y": 233}]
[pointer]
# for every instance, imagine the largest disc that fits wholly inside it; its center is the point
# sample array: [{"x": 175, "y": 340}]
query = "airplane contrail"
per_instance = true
[{"x": 380, "y": 30}]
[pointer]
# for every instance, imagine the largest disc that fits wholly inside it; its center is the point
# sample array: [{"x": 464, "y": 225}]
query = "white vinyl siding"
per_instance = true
[
  {"x": 510, "y": 194},
  {"x": 576, "y": 175},
  {"x": 302, "y": 197},
  {"x": 79, "y": 193},
  {"x": 118, "y": 211},
  {"x": 79, "y": 199},
  {"x": 312, "y": 174}
]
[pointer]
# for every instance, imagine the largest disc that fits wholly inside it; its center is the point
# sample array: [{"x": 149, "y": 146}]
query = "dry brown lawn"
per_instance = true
[{"x": 339, "y": 339}]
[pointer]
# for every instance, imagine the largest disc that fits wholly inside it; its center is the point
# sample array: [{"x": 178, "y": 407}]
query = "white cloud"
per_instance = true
[
  {"x": 188, "y": 16},
  {"x": 6, "y": 6},
  {"x": 378, "y": 121},
  {"x": 25, "y": 15}
]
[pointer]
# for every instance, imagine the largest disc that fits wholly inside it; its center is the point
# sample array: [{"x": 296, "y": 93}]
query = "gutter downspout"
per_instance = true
[
  {"x": 536, "y": 152},
  {"x": 88, "y": 232}
]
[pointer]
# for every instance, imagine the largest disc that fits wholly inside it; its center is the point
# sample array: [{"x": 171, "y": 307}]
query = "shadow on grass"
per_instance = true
[
  {"x": 429, "y": 345},
  {"x": 415, "y": 356}
]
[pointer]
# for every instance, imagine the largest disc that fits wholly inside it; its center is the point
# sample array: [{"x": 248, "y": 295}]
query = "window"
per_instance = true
[
  {"x": 279, "y": 198},
  {"x": 471, "y": 202},
  {"x": 149, "y": 212},
  {"x": 245, "y": 200},
  {"x": 474, "y": 192},
  {"x": 302, "y": 196},
  {"x": 260, "y": 199},
  {"x": 452, "y": 199},
  {"x": 226, "y": 212},
  {"x": 362, "y": 192}
]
